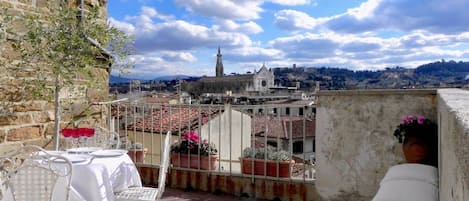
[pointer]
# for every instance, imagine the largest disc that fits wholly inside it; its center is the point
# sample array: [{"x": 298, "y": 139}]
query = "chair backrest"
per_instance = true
[
  {"x": 164, "y": 164},
  {"x": 33, "y": 174}
]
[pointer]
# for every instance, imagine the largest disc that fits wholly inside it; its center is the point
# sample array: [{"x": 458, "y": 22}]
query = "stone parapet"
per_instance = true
[
  {"x": 246, "y": 187},
  {"x": 354, "y": 138},
  {"x": 453, "y": 122}
]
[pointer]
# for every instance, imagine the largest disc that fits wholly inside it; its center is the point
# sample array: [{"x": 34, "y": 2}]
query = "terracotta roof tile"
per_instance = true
[
  {"x": 280, "y": 126},
  {"x": 165, "y": 119}
]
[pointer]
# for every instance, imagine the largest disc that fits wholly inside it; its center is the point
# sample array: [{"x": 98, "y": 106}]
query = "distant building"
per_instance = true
[
  {"x": 219, "y": 66},
  {"x": 258, "y": 83},
  {"x": 295, "y": 134},
  {"x": 230, "y": 131}
]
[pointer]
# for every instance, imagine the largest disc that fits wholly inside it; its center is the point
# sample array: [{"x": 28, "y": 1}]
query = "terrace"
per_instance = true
[
  {"x": 354, "y": 144},
  {"x": 353, "y": 138}
]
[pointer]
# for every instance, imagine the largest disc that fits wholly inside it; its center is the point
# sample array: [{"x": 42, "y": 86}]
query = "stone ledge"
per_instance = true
[
  {"x": 457, "y": 100},
  {"x": 238, "y": 185},
  {"x": 378, "y": 92}
]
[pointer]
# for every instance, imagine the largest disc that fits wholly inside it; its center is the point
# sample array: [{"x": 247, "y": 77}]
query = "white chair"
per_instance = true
[
  {"x": 147, "y": 193},
  {"x": 33, "y": 174}
]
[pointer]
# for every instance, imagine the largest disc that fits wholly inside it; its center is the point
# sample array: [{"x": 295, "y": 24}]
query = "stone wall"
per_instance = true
[
  {"x": 355, "y": 145},
  {"x": 28, "y": 118},
  {"x": 453, "y": 118}
]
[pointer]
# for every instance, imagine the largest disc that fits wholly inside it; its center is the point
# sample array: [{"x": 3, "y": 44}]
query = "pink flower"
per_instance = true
[
  {"x": 191, "y": 136},
  {"x": 420, "y": 119},
  {"x": 408, "y": 119}
]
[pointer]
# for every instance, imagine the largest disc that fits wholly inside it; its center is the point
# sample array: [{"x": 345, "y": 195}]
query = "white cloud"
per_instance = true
[
  {"x": 419, "y": 40},
  {"x": 171, "y": 35},
  {"x": 359, "y": 46},
  {"x": 293, "y": 20},
  {"x": 231, "y": 26},
  {"x": 253, "y": 54},
  {"x": 151, "y": 66},
  {"x": 147, "y": 14},
  {"x": 226, "y": 9},
  {"x": 431, "y": 15},
  {"x": 151, "y": 12},
  {"x": 178, "y": 57},
  {"x": 311, "y": 46},
  {"x": 291, "y": 2},
  {"x": 361, "y": 52},
  {"x": 123, "y": 26},
  {"x": 181, "y": 35}
]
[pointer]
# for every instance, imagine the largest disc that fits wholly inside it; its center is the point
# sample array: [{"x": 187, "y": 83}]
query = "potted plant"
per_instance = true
[
  {"x": 419, "y": 138},
  {"x": 192, "y": 152},
  {"x": 266, "y": 161},
  {"x": 137, "y": 152}
]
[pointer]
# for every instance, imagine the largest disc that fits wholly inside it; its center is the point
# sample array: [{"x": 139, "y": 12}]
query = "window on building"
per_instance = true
[
  {"x": 314, "y": 145},
  {"x": 275, "y": 111},
  {"x": 300, "y": 112},
  {"x": 298, "y": 147},
  {"x": 260, "y": 111},
  {"x": 287, "y": 111},
  {"x": 272, "y": 143}
]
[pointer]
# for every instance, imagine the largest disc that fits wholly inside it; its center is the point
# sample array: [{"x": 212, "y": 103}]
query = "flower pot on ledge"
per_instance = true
[
  {"x": 192, "y": 161},
  {"x": 267, "y": 167}
]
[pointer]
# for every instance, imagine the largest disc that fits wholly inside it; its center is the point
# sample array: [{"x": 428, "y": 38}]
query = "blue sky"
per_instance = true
[{"x": 174, "y": 37}]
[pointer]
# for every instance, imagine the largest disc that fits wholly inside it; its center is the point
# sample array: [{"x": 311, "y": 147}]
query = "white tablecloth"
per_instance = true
[
  {"x": 99, "y": 179},
  {"x": 95, "y": 180}
]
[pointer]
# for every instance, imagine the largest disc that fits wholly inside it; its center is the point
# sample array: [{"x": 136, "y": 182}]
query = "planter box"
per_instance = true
[
  {"x": 193, "y": 161},
  {"x": 266, "y": 167}
]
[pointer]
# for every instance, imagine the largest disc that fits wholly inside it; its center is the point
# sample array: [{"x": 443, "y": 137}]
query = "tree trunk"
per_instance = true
[{"x": 57, "y": 113}]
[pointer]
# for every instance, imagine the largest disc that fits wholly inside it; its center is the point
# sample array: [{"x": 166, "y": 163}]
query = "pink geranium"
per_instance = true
[
  {"x": 420, "y": 119},
  {"x": 414, "y": 125},
  {"x": 191, "y": 136},
  {"x": 192, "y": 143}
]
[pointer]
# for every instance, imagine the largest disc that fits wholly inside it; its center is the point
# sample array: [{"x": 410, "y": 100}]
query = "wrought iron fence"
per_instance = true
[{"x": 221, "y": 139}]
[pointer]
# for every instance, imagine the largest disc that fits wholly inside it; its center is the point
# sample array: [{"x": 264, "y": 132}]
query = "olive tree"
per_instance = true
[{"x": 65, "y": 44}]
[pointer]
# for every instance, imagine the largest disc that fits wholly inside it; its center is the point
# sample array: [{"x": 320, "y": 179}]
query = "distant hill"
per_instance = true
[
  {"x": 118, "y": 80},
  {"x": 123, "y": 80},
  {"x": 172, "y": 77},
  {"x": 433, "y": 75}
]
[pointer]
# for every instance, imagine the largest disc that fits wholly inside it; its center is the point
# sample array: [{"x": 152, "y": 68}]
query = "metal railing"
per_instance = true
[{"x": 261, "y": 131}]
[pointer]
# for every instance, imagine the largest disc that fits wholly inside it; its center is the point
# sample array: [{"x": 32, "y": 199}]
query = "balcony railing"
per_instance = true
[{"x": 231, "y": 128}]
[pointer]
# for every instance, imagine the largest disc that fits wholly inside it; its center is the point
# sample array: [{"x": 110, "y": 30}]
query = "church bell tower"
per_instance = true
[{"x": 219, "y": 66}]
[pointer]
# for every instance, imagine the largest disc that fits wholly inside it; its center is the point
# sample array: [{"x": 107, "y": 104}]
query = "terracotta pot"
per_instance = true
[
  {"x": 266, "y": 167},
  {"x": 193, "y": 161},
  {"x": 415, "y": 150},
  {"x": 137, "y": 155}
]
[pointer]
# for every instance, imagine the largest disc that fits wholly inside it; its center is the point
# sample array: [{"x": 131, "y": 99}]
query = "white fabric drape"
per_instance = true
[{"x": 409, "y": 182}]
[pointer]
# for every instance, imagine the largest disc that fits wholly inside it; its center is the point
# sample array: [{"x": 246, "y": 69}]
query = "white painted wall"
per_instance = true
[
  {"x": 354, "y": 138},
  {"x": 453, "y": 118},
  {"x": 217, "y": 130}
]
